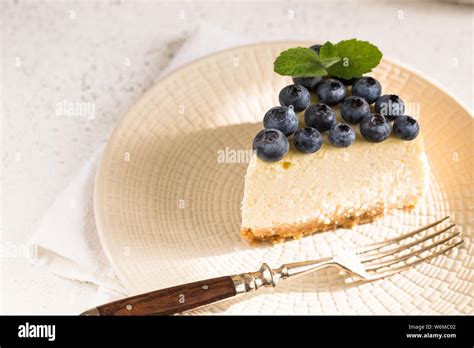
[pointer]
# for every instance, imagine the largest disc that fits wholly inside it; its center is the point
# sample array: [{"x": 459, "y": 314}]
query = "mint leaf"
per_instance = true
[
  {"x": 355, "y": 58},
  {"x": 346, "y": 59},
  {"x": 299, "y": 62}
]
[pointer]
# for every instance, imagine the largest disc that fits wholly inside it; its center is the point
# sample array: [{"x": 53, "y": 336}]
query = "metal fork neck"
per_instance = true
[
  {"x": 268, "y": 277},
  {"x": 248, "y": 282}
]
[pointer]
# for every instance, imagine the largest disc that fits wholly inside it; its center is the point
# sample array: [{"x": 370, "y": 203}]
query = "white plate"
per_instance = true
[{"x": 168, "y": 212}]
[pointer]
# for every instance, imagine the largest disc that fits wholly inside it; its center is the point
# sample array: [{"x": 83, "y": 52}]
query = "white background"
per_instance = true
[{"x": 77, "y": 51}]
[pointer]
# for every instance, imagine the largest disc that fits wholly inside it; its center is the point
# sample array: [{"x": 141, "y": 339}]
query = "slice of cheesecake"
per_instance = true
[{"x": 306, "y": 193}]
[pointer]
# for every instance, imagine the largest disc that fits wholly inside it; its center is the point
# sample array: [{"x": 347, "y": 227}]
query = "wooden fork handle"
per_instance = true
[
  {"x": 189, "y": 296},
  {"x": 171, "y": 300}
]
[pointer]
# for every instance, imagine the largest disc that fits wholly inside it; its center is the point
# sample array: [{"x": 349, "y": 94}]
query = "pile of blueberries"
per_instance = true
[{"x": 280, "y": 122}]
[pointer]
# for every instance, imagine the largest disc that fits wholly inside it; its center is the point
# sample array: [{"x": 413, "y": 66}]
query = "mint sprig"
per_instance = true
[{"x": 346, "y": 59}]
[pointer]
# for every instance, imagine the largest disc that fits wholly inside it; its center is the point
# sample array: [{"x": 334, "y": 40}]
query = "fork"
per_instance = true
[{"x": 367, "y": 263}]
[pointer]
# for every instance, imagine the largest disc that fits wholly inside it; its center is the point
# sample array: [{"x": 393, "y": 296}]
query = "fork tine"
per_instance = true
[
  {"x": 375, "y": 276},
  {"x": 378, "y": 245},
  {"x": 388, "y": 263},
  {"x": 382, "y": 254}
]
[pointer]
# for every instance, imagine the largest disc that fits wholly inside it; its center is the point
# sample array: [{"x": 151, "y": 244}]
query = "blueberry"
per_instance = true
[
  {"x": 367, "y": 88},
  {"x": 320, "y": 116},
  {"x": 271, "y": 145},
  {"x": 341, "y": 135},
  {"x": 375, "y": 128},
  {"x": 282, "y": 118},
  {"x": 295, "y": 95},
  {"x": 331, "y": 91},
  {"x": 406, "y": 128},
  {"x": 390, "y": 106},
  {"x": 308, "y": 140},
  {"x": 353, "y": 109},
  {"x": 309, "y": 82},
  {"x": 316, "y": 48}
]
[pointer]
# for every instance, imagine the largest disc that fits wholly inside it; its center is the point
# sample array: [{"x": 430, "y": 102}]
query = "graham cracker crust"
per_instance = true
[{"x": 348, "y": 219}]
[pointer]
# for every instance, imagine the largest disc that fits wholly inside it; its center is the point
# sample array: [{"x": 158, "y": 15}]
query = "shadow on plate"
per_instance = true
[{"x": 196, "y": 183}]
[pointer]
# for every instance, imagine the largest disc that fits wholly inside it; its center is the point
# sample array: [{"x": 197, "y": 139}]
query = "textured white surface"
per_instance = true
[{"x": 50, "y": 54}]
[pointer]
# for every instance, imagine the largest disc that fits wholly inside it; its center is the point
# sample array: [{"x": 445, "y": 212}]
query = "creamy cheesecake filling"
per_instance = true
[{"x": 306, "y": 193}]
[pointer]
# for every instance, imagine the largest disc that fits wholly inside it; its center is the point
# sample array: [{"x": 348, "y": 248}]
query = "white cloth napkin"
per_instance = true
[{"x": 66, "y": 240}]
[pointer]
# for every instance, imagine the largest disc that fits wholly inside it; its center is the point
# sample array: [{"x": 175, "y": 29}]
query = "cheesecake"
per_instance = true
[
  {"x": 334, "y": 187},
  {"x": 340, "y": 161}
]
